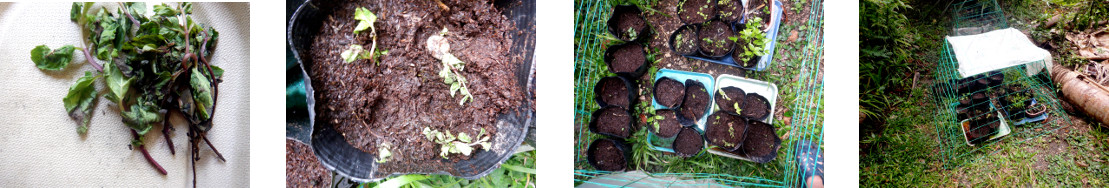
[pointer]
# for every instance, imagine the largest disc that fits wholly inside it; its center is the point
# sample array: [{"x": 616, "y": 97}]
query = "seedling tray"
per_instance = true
[
  {"x": 1024, "y": 120},
  {"x": 1002, "y": 130},
  {"x": 766, "y": 89},
  {"x": 680, "y": 76},
  {"x": 772, "y": 33}
]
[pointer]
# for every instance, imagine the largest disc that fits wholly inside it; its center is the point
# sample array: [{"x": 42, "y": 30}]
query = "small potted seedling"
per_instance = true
[
  {"x": 755, "y": 107},
  {"x": 668, "y": 92},
  {"x": 695, "y": 103},
  {"x": 612, "y": 121},
  {"x": 665, "y": 126},
  {"x": 714, "y": 39},
  {"x": 696, "y": 11},
  {"x": 614, "y": 91},
  {"x": 730, "y": 11},
  {"x": 684, "y": 40},
  {"x": 730, "y": 100},
  {"x": 354, "y": 52},
  {"x": 608, "y": 154},
  {"x": 628, "y": 59},
  {"x": 1016, "y": 104},
  {"x": 751, "y": 43},
  {"x": 759, "y": 9},
  {"x": 725, "y": 130},
  {"x": 688, "y": 143},
  {"x": 627, "y": 23}
]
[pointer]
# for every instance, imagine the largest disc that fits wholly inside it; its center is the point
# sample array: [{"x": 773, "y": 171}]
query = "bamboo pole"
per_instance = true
[{"x": 1082, "y": 91}]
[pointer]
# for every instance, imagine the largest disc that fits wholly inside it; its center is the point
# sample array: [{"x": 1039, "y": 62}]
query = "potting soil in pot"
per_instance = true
[
  {"x": 302, "y": 169},
  {"x": 714, "y": 38},
  {"x": 729, "y": 10},
  {"x": 760, "y": 140},
  {"x": 629, "y": 24},
  {"x": 689, "y": 142},
  {"x": 607, "y": 155},
  {"x": 628, "y": 58},
  {"x": 669, "y": 92},
  {"x": 695, "y": 103},
  {"x": 391, "y": 101},
  {"x": 613, "y": 91},
  {"x": 725, "y": 130},
  {"x": 760, "y": 9},
  {"x": 728, "y": 98},
  {"x": 685, "y": 40},
  {"x": 755, "y": 107},
  {"x": 696, "y": 11},
  {"x": 668, "y": 126},
  {"x": 613, "y": 121}
]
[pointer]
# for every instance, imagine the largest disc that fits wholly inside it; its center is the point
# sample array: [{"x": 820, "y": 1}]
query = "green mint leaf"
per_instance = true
[
  {"x": 366, "y": 19},
  {"x": 117, "y": 83},
  {"x": 56, "y": 59},
  {"x": 351, "y": 53},
  {"x": 464, "y": 137},
  {"x": 202, "y": 94},
  {"x": 75, "y": 12},
  {"x": 78, "y": 102},
  {"x": 141, "y": 118},
  {"x": 164, "y": 10}
]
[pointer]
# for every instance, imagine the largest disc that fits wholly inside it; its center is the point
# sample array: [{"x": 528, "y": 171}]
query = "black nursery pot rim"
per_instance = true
[
  {"x": 708, "y": 106},
  {"x": 628, "y": 85},
  {"x": 654, "y": 93},
  {"x": 622, "y": 146},
  {"x": 764, "y": 101},
  {"x": 612, "y": 20},
  {"x": 742, "y": 101},
  {"x": 696, "y": 45},
  {"x": 709, "y": 127},
  {"x": 638, "y": 71},
  {"x": 595, "y": 118},
  {"x": 674, "y": 145},
  {"x": 730, "y": 50},
  {"x": 774, "y": 148}
]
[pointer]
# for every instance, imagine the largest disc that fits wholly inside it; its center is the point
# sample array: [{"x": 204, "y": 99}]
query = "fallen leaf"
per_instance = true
[{"x": 792, "y": 36}]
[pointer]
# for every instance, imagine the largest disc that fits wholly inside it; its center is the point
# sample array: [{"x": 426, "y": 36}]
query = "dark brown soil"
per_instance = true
[
  {"x": 696, "y": 11},
  {"x": 669, "y": 92},
  {"x": 756, "y": 107},
  {"x": 627, "y": 23},
  {"x": 728, "y": 98},
  {"x": 713, "y": 38},
  {"x": 725, "y": 130},
  {"x": 729, "y": 10},
  {"x": 668, "y": 125},
  {"x": 759, "y": 141},
  {"x": 760, "y": 9},
  {"x": 614, "y": 121},
  {"x": 982, "y": 127},
  {"x": 607, "y": 156},
  {"x": 614, "y": 91},
  {"x": 628, "y": 58},
  {"x": 696, "y": 101},
  {"x": 301, "y": 167},
  {"x": 689, "y": 142},
  {"x": 392, "y": 101},
  {"x": 685, "y": 42}
]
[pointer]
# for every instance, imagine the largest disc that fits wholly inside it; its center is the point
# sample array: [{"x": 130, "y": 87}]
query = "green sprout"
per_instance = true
[
  {"x": 366, "y": 20},
  {"x": 461, "y": 144}
]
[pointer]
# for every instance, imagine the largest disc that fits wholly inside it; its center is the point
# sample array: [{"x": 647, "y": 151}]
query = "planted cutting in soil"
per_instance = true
[
  {"x": 607, "y": 155},
  {"x": 668, "y": 126},
  {"x": 714, "y": 40},
  {"x": 613, "y": 91},
  {"x": 629, "y": 58},
  {"x": 696, "y": 11},
  {"x": 695, "y": 104},
  {"x": 684, "y": 40},
  {"x": 740, "y": 50},
  {"x": 726, "y": 130},
  {"x": 301, "y": 167},
  {"x": 756, "y": 107},
  {"x": 729, "y": 98},
  {"x": 761, "y": 141},
  {"x": 730, "y": 11},
  {"x": 760, "y": 9},
  {"x": 627, "y": 23},
  {"x": 612, "y": 121},
  {"x": 689, "y": 142},
  {"x": 669, "y": 92},
  {"x": 391, "y": 101},
  {"x": 982, "y": 126}
]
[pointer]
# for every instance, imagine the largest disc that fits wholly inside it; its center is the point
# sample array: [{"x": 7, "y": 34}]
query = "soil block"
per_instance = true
[
  {"x": 608, "y": 154},
  {"x": 756, "y": 107},
  {"x": 696, "y": 11},
  {"x": 684, "y": 40},
  {"x": 612, "y": 121},
  {"x": 614, "y": 91},
  {"x": 728, "y": 98},
  {"x": 726, "y": 130},
  {"x": 668, "y": 126},
  {"x": 392, "y": 99},
  {"x": 302, "y": 169},
  {"x": 761, "y": 143},
  {"x": 730, "y": 11},
  {"x": 628, "y": 59},
  {"x": 627, "y": 23},
  {"x": 695, "y": 104},
  {"x": 713, "y": 38},
  {"x": 688, "y": 143},
  {"x": 669, "y": 92}
]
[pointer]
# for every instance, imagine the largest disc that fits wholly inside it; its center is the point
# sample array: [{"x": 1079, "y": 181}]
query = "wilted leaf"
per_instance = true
[
  {"x": 80, "y": 99},
  {"x": 202, "y": 95},
  {"x": 56, "y": 59},
  {"x": 366, "y": 19},
  {"x": 351, "y": 53}
]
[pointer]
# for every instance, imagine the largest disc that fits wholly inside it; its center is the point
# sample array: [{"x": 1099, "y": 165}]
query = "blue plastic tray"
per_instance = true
[{"x": 772, "y": 33}]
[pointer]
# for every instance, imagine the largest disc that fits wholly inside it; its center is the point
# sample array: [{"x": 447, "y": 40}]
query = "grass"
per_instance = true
[
  {"x": 905, "y": 152},
  {"x": 517, "y": 171}
]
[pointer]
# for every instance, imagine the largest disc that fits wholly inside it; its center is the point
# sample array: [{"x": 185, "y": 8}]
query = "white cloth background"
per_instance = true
[
  {"x": 39, "y": 145},
  {"x": 995, "y": 50}
]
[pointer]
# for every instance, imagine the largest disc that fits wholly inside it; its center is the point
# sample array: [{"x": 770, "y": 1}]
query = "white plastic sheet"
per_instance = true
[{"x": 996, "y": 50}]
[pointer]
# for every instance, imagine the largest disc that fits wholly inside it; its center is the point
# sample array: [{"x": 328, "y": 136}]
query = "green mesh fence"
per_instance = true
[
  {"x": 806, "y": 109},
  {"x": 978, "y": 114}
]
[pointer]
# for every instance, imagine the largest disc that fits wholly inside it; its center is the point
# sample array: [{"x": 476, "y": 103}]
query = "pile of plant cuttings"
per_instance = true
[{"x": 152, "y": 65}]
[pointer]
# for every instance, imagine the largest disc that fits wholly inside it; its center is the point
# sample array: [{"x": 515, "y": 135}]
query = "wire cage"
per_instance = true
[
  {"x": 806, "y": 125},
  {"x": 976, "y": 114}
]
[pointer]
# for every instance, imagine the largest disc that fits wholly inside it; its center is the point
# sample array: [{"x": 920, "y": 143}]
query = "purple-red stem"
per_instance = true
[
  {"x": 147, "y": 155},
  {"x": 165, "y": 132},
  {"x": 213, "y": 148},
  {"x": 92, "y": 60}
]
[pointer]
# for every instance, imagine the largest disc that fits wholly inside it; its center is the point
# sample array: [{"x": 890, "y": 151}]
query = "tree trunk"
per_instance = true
[{"x": 1083, "y": 92}]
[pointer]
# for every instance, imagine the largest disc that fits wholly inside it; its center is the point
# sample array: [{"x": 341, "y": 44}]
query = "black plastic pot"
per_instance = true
[
  {"x": 336, "y": 154},
  {"x": 628, "y": 10},
  {"x": 719, "y": 121},
  {"x": 697, "y": 14},
  {"x": 730, "y": 11},
  {"x": 664, "y": 140},
  {"x": 756, "y": 99},
  {"x": 622, "y": 147},
  {"x": 688, "y": 31},
  {"x": 642, "y": 68},
  {"x": 689, "y": 121},
  {"x": 600, "y": 113},
  {"x": 691, "y": 133},
  {"x": 629, "y": 86},
  {"x": 775, "y": 144},
  {"x": 668, "y": 104},
  {"x": 706, "y": 30},
  {"x": 996, "y": 78},
  {"x": 727, "y": 102}
]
